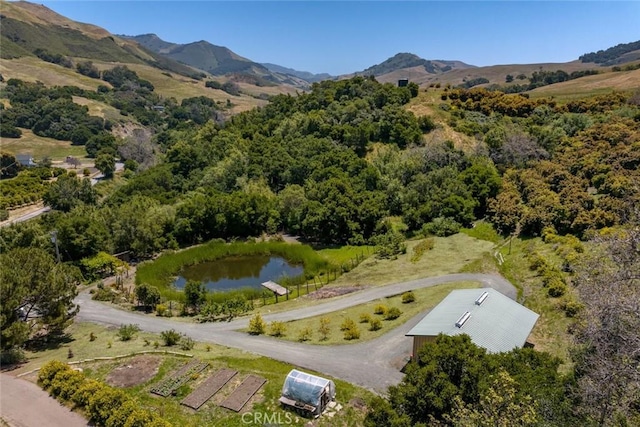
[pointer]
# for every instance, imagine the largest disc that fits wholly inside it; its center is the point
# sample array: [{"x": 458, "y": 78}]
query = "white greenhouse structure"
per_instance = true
[{"x": 306, "y": 393}]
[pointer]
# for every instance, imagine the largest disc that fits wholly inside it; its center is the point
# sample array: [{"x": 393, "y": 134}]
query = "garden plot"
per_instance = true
[
  {"x": 243, "y": 393},
  {"x": 208, "y": 388},
  {"x": 178, "y": 378}
]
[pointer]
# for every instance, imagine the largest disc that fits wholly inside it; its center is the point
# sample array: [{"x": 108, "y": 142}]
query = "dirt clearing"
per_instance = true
[{"x": 135, "y": 371}]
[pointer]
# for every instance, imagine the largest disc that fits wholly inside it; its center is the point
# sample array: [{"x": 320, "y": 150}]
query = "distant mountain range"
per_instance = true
[
  {"x": 305, "y": 75},
  {"x": 403, "y": 61},
  {"x": 221, "y": 61},
  {"x": 29, "y": 29}
]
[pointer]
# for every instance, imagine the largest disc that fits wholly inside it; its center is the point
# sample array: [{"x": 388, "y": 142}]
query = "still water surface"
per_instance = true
[{"x": 238, "y": 272}]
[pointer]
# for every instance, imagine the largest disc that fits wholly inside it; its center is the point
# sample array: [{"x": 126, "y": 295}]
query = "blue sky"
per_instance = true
[{"x": 340, "y": 37}]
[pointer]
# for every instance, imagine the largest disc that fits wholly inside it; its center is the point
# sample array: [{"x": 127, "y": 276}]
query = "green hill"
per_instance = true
[{"x": 619, "y": 54}]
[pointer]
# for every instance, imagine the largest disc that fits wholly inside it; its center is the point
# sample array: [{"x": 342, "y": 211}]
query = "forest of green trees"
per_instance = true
[{"x": 333, "y": 165}]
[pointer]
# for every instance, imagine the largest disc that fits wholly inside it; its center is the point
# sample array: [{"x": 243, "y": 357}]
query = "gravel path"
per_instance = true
[
  {"x": 373, "y": 364},
  {"x": 24, "y": 404}
]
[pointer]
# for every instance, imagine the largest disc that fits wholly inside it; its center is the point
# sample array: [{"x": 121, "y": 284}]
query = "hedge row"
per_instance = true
[{"x": 105, "y": 406}]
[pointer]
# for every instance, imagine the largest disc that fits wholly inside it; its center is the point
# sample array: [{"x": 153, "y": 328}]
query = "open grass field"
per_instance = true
[
  {"x": 345, "y": 254},
  {"x": 265, "y": 401},
  {"x": 100, "y": 109},
  {"x": 32, "y": 69},
  {"x": 40, "y": 147},
  {"x": 590, "y": 85},
  {"x": 449, "y": 255},
  {"x": 426, "y": 298}
]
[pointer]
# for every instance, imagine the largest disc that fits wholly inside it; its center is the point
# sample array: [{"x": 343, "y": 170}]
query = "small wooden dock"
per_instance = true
[{"x": 275, "y": 288}]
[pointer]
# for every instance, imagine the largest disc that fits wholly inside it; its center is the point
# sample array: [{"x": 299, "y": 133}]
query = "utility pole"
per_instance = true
[{"x": 54, "y": 239}]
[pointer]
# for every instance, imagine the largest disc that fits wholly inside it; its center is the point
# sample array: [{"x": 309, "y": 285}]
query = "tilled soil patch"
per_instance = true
[{"x": 134, "y": 371}]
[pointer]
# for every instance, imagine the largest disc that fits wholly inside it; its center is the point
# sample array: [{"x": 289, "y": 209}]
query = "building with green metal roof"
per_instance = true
[{"x": 492, "y": 320}]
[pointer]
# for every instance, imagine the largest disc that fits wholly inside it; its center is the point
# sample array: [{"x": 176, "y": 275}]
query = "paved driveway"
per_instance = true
[{"x": 24, "y": 404}]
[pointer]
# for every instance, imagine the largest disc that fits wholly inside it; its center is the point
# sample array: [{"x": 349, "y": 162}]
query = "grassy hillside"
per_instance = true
[
  {"x": 498, "y": 73},
  {"x": 40, "y": 147},
  {"x": 590, "y": 85},
  {"x": 166, "y": 84},
  {"x": 27, "y": 27},
  {"x": 32, "y": 69},
  {"x": 37, "y": 14}
]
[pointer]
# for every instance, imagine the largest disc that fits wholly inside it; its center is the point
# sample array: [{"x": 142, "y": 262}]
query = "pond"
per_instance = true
[{"x": 238, "y": 272}]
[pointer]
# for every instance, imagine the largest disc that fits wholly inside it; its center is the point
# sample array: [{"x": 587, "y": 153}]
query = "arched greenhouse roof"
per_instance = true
[{"x": 307, "y": 388}]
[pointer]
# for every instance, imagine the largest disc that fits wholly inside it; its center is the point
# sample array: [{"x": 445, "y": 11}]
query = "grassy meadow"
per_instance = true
[
  {"x": 449, "y": 255},
  {"x": 40, "y": 147}
]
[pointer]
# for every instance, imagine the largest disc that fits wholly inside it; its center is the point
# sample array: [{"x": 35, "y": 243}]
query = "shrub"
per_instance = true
[
  {"x": 12, "y": 356},
  {"x": 86, "y": 172},
  {"x": 85, "y": 391},
  {"x": 103, "y": 403},
  {"x": 257, "y": 325},
  {"x": 324, "y": 328},
  {"x": 103, "y": 294},
  {"x": 49, "y": 371},
  {"x": 421, "y": 248},
  {"x": 162, "y": 310},
  {"x": 92, "y": 337},
  {"x": 119, "y": 416},
  {"x": 556, "y": 288},
  {"x": 277, "y": 329},
  {"x": 408, "y": 297},
  {"x": 572, "y": 308},
  {"x": 352, "y": 333},
  {"x": 65, "y": 383},
  {"x": 375, "y": 325},
  {"x": 305, "y": 334},
  {"x": 186, "y": 343},
  {"x": 170, "y": 337},
  {"x": 441, "y": 227},
  {"x": 365, "y": 318},
  {"x": 536, "y": 261},
  {"x": 392, "y": 314},
  {"x": 347, "y": 324},
  {"x": 127, "y": 332},
  {"x": 380, "y": 309}
]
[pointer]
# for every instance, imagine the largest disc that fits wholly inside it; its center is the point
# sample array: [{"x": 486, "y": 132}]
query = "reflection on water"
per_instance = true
[{"x": 238, "y": 272}]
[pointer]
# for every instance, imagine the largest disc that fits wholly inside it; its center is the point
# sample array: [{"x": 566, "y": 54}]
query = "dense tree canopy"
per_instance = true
[
  {"x": 454, "y": 382},
  {"x": 37, "y": 295}
]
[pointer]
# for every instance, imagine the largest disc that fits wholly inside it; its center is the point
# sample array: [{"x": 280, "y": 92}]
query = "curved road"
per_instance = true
[{"x": 373, "y": 364}]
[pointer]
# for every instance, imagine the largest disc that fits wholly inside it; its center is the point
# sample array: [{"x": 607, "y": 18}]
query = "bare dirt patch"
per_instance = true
[
  {"x": 333, "y": 292},
  {"x": 137, "y": 370}
]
